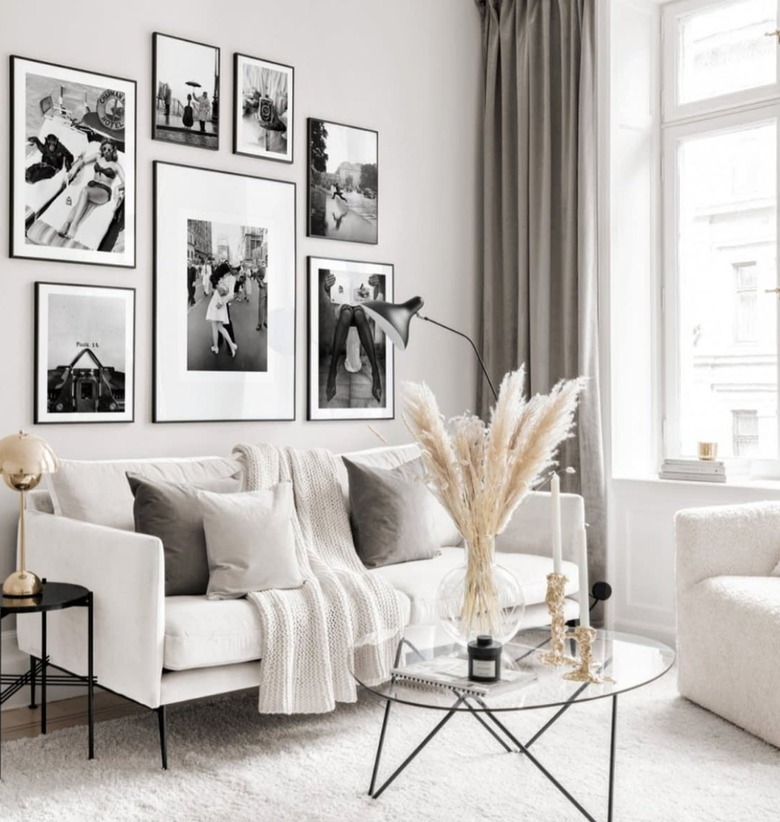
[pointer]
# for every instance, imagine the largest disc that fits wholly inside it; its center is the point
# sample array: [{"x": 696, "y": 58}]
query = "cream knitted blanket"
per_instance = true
[{"x": 342, "y": 619}]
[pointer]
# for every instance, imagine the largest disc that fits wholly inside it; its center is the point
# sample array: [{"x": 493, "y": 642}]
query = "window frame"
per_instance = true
[
  {"x": 671, "y": 108},
  {"x": 672, "y": 134}
]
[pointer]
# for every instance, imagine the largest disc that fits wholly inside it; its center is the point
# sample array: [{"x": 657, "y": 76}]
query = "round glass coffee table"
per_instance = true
[{"x": 624, "y": 661}]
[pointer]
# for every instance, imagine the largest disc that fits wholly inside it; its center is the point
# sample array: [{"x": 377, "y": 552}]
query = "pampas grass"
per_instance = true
[{"x": 481, "y": 474}]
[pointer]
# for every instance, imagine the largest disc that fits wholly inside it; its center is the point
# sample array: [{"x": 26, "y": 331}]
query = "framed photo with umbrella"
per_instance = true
[
  {"x": 263, "y": 107},
  {"x": 73, "y": 164},
  {"x": 185, "y": 79}
]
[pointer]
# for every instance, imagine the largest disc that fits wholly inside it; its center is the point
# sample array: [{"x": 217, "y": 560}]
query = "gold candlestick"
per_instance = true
[
  {"x": 554, "y": 599},
  {"x": 584, "y": 637}
]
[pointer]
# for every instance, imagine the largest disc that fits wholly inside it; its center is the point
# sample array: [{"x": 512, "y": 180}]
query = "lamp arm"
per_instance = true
[{"x": 471, "y": 343}]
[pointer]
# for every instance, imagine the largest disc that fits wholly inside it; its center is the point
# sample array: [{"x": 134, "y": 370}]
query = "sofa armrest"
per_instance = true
[
  {"x": 125, "y": 572},
  {"x": 530, "y": 532},
  {"x": 733, "y": 540}
]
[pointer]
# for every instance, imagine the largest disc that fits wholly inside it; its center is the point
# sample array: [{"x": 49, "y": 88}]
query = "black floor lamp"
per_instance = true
[{"x": 394, "y": 320}]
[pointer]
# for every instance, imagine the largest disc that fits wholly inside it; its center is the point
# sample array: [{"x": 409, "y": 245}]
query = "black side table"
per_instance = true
[{"x": 55, "y": 596}]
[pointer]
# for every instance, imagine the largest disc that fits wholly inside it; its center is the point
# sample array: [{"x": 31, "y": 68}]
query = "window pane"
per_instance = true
[
  {"x": 724, "y": 49},
  {"x": 727, "y": 258}
]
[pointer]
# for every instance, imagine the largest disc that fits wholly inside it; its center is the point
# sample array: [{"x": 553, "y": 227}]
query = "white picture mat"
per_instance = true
[
  {"x": 127, "y": 296},
  {"x": 21, "y": 248},
  {"x": 242, "y": 145},
  {"x": 184, "y": 193},
  {"x": 362, "y": 269}
]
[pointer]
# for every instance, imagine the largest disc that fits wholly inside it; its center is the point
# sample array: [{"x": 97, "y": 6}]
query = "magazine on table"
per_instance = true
[{"x": 452, "y": 673}]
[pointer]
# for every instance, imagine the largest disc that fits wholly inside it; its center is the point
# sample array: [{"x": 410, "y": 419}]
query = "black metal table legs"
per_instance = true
[{"x": 506, "y": 739}]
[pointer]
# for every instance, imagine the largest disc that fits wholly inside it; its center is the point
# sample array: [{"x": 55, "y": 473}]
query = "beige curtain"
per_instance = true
[{"x": 540, "y": 288}]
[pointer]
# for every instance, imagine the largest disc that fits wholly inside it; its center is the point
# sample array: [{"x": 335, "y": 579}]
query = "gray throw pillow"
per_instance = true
[
  {"x": 171, "y": 511},
  {"x": 395, "y": 518},
  {"x": 250, "y": 541}
]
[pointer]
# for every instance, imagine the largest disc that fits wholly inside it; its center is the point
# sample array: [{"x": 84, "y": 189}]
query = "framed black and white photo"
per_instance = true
[
  {"x": 84, "y": 353},
  {"x": 343, "y": 182},
  {"x": 224, "y": 338},
  {"x": 73, "y": 165},
  {"x": 263, "y": 108},
  {"x": 351, "y": 365},
  {"x": 186, "y": 103}
]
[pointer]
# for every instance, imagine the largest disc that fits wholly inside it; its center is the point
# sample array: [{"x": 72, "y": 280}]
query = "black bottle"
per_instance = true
[{"x": 484, "y": 659}]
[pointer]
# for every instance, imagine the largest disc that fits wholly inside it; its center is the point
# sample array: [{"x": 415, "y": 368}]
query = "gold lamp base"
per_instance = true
[{"x": 22, "y": 584}]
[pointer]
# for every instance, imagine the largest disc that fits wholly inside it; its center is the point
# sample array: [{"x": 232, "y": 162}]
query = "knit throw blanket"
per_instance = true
[{"x": 342, "y": 619}]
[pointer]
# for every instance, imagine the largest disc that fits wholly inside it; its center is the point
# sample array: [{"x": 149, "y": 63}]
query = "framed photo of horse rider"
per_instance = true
[
  {"x": 263, "y": 108},
  {"x": 73, "y": 165},
  {"x": 84, "y": 353}
]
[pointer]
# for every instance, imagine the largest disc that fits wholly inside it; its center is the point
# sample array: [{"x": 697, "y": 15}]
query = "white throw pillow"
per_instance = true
[{"x": 250, "y": 541}]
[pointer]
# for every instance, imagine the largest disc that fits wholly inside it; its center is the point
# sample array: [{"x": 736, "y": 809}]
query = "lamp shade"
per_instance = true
[
  {"x": 23, "y": 458},
  {"x": 394, "y": 318}
]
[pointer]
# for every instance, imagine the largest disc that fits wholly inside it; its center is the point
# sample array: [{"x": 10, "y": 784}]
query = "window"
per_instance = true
[
  {"x": 745, "y": 433},
  {"x": 745, "y": 303},
  {"x": 720, "y": 170}
]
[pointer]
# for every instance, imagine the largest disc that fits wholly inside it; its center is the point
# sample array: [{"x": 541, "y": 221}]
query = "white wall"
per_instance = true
[{"x": 408, "y": 69}]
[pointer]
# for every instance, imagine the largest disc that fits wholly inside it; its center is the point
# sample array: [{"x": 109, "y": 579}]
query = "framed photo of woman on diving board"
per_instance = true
[{"x": 73, "y": 165}]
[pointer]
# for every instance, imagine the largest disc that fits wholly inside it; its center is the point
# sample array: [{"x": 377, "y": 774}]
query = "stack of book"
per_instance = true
[
  {"x": 452, "y": 673},
  {"x": 696, "y": 470}
]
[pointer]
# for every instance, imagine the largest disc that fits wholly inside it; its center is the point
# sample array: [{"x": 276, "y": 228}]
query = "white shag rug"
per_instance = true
[{"x": 675, "y": 761}]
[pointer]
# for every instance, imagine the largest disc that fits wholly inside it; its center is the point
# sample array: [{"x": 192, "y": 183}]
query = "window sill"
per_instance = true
[{"x": 758, "y": 483}]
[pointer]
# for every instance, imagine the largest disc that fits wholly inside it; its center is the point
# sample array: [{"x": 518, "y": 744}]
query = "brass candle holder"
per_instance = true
[
  {"x": 584, "y": 637},
  {"x": 554, "y": 599}
]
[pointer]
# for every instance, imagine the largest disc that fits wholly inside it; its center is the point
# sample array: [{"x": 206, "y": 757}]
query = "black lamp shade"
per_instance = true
[{"x": 394, "y": 318}]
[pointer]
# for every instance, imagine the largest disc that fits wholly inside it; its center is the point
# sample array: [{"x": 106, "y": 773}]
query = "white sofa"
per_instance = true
[
  {"x": 158, "y": 650},
  {"x": 728, "y": 613}
]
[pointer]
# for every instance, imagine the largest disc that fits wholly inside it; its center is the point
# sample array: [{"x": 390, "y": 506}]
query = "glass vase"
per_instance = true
[{"x": 480, "y": 597}]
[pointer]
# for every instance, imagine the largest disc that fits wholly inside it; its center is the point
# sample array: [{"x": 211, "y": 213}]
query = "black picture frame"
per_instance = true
[
  {"x": 188, "y": 61},
  {"x": 338, "y": 206},
  {"x": 191, "y": 381},
  {"x": 61, "y": 208},
  {"x": 324, "y": 308},
  {"x": 274, "y": 86},
  {"x": 84, "y": 358}
]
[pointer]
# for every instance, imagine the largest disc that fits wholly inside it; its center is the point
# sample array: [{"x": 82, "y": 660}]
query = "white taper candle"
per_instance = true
[
  {"x": 555, "y": 523},
  {"x": 582, "y": 559}
]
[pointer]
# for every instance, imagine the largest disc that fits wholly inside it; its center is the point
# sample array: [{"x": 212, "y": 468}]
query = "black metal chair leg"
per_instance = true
[{"x": 163, "y": 736}]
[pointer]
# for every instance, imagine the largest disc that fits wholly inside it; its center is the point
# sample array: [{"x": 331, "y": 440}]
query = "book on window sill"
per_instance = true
[
  {"x": 453, "y": 673},
  {"x": 691, "y": 477},
  {"x": 693, "y": 467}
]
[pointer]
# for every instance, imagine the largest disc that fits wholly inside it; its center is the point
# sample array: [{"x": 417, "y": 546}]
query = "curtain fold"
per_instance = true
[{"x": 539, "y": 272}]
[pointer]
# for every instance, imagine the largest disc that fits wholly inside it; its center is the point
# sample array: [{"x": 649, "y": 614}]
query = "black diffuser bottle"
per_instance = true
[{"x": 484, "y": 659}]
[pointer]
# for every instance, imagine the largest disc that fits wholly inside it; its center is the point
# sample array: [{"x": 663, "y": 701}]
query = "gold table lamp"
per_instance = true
[{"x": 24, "y": 459}]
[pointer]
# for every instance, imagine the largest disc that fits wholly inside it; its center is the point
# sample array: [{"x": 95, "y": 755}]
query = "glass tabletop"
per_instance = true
[{"x": 629, "y": 660}]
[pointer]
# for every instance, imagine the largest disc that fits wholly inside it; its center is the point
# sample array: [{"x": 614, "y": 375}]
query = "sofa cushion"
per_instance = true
[
  {"x": 420, "y": 580},
  {"x": 171, "y": 512},
  {"x": 97, "y": 491},
  {"x": 205, "y": 633},
  {"x": 393, "y": 514},
  {"x": 250, "y": 542}
]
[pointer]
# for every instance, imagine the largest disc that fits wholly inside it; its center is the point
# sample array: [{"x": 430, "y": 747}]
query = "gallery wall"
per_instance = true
[{"x": 408, "y": 69}]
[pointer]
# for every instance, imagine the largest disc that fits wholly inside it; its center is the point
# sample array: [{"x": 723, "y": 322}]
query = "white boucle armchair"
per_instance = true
[{"x": 728, "y": 613}]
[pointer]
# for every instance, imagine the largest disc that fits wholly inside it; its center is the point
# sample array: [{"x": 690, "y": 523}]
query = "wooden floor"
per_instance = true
[{"x": 64, "y": 713}]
